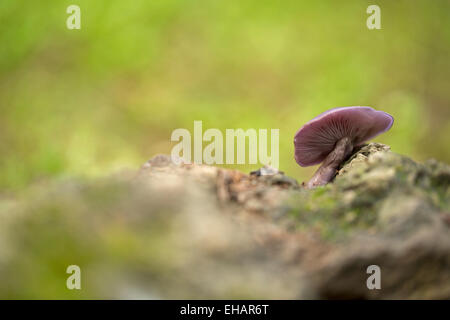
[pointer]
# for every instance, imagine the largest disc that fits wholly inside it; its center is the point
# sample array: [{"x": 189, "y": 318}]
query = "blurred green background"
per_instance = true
[{"x": 91, "y": 101}]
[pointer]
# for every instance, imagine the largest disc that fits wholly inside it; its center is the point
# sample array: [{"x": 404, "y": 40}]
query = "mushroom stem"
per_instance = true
[{"x": 328, "y": 169}]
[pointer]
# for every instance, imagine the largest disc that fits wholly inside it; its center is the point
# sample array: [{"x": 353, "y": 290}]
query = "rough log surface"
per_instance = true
[{"x": 196, "y": 231}]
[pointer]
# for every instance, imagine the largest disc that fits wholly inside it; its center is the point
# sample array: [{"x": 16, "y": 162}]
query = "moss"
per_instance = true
[{"x": 352, "y": 202}]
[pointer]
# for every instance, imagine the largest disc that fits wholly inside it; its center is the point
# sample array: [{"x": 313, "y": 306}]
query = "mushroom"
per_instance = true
[{"x": 330, "y": 138}]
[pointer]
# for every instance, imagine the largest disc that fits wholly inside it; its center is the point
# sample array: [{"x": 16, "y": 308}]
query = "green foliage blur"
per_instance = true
[{"x": 92, "y": 101}]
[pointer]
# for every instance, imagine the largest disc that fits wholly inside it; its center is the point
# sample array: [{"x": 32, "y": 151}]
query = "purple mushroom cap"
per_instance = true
[{"x": 317, "y": 138}]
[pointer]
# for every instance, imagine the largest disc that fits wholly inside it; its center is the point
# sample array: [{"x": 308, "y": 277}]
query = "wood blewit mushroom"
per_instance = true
[{"x": 331, "y": 137}]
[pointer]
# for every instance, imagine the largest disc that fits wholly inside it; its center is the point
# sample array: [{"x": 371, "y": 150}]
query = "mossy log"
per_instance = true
[{"x": 196, "y": 231}]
